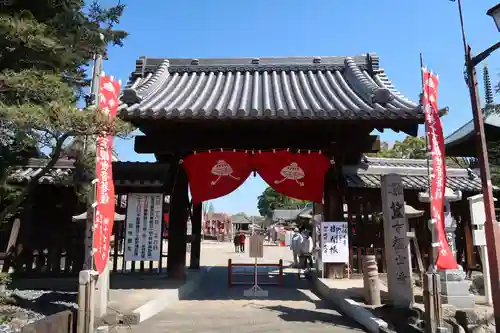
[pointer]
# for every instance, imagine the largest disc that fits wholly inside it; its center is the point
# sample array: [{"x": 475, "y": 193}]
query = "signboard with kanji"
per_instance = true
[
  {"x": 334, "y": 242},
  {"x": 256, "y": 246},
  {"x": 143, "y": 227}
]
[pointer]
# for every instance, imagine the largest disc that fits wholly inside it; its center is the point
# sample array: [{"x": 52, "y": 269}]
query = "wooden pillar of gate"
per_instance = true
[
  {"x": 333, "y": 208},
  {"x": 196, "y": 237},
  {"x": 177, "y": 224}
]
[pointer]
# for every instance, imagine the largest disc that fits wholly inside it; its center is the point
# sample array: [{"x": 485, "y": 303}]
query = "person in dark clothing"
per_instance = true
[
  {"x": 242, "y": 242},
  {"x": 236, "y": 242}
]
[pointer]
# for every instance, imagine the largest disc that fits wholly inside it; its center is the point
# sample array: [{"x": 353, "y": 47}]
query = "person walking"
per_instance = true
[
  {"x": 306, "y": 253},
  {"x": 236, "y": 242},
  {"x": 242, "y": 242},
  {"x": 295, "y": 246}
]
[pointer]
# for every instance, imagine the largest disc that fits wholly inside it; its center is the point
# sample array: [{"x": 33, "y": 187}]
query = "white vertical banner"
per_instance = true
[
  {"x": 143, "y": 227},
  {"x": 334, "y": 242}
]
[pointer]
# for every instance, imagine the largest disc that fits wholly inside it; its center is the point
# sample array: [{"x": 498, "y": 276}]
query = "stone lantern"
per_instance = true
[
  {"x": 454, "y": 287},
  {"x": 412, "y": 213}
]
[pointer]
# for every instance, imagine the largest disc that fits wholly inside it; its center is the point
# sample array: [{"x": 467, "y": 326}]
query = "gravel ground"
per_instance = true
[{"x": 33, "y": 305}]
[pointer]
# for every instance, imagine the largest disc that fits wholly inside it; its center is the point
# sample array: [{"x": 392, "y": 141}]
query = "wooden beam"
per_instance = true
[
  {"x": 171, "y": 144},
  {"x": 179, "y": 205},
  {"x": 196, "y": 220},
  {"x": 333, "y": 208},
  {"x": 142, "y": 189}
]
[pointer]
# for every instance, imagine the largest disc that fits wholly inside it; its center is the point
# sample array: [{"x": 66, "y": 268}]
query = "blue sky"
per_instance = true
[{"x": 397, "y": 31}]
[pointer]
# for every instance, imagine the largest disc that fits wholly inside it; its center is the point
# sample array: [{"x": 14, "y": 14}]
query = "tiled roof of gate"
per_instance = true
[
  {"x": 264, "y": 88},
  {"x": 367, "y": 174}
]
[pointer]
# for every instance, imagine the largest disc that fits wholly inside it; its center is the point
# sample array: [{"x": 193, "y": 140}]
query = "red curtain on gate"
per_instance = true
[
  {"x": 299, "y": 176},
  {"x": 214, "y": 174}
]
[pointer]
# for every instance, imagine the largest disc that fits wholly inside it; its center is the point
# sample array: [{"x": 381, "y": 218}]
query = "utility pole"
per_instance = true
[{"x": 491, "y": 225}]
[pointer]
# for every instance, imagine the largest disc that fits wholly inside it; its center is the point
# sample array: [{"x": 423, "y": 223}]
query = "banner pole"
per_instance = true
[
  {"x": 427, "y": 157},
  {"x": 426, "y": 130},
  {"x": 255, "y": 275}
]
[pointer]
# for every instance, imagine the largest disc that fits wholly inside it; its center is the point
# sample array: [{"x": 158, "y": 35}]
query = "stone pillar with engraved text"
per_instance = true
[{"x": 396, "y": 242}]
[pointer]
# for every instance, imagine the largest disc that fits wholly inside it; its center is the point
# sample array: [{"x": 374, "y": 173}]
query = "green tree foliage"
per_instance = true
[
  {"x": 410, "y": 147},
  {"x": 45, "y": 49},
  {"x": 270, "y": 200},
  {"x": 494, "y": 159},
  {"x": 414, "y": 148}
]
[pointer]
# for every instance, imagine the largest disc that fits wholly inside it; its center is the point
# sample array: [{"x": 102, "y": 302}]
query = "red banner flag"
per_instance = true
[
  {"x": 300, "y": 176},
  {"x": 105, "y": 194},
  {"x": 445, "y": 258},
  {"x": 214, "y": 174}
]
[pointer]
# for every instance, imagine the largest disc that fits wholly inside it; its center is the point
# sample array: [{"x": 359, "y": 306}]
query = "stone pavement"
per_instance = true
[{"x": 216, "y": 308}]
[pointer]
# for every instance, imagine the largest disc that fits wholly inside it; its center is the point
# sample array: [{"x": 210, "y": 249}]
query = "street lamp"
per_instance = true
[
  {"x": 495, "y": 14},
  {"x": 492, "y": 229}
]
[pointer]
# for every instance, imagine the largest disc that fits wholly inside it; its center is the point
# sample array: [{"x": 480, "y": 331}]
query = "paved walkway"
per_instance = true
[{"x": 216, "y": 308}]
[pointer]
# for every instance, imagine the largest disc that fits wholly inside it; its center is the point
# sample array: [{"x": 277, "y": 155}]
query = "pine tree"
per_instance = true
[{"x": 45, "y": 50}]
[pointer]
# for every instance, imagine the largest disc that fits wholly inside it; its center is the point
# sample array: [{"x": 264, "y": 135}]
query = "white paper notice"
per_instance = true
[
  {"x": 143, "y": 229},
  {"x": 334, "y": 242}
]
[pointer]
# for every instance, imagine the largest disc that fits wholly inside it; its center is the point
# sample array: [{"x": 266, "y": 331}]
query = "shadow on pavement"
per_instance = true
[
  {"x": 313, "y": 316},
  {"x": 296, "y": 301},
  {"x": 144, "y": 281},
  {"x": 214, "y": 286}
]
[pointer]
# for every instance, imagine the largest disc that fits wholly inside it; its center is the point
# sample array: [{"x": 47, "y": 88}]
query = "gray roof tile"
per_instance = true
[
  {"x": 285, "y": 214},
  {"x": 266, "y": 88},
  {"x": 61, "y": 173},
  {"x": 465, "y": 132},
  {"x": 364, "y": 175},
  {"x": 240, "y": 218},
  {"x": 414, "y": 174}
]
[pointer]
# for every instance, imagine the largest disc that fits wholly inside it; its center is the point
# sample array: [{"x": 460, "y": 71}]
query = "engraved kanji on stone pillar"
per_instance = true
[{"x": 396, "y": 241}]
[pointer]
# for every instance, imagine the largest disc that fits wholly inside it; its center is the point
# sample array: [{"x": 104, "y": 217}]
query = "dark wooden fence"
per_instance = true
[
  {"x": 366, "y": 232},
  {"x": 145, "y": 267},
  {"x": 49, "y": 243}
]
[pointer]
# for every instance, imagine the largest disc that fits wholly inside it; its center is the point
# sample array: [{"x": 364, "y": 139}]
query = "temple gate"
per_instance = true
[{"x": 323, "y": 104}]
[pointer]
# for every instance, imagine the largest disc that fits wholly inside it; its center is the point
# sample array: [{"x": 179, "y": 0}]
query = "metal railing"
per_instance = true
[{"x": 244, "y": 273}]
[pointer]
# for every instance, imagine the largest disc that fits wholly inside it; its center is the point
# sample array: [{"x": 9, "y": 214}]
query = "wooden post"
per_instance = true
[
  {"x": 432, "y": 303},
  {"x": 333, "y": 209},
  {"x": 282, "y": 278},
  {"x": 176, "y": 260},
  {"x": 429, "y": 314},
  {"x": 418, "y": 256},
  {"x": 196, "y": 237},
  {"x": 10, "y": 251},
  {"x": 370, "y": 280},
  {"x": 436, "y": 285},
  {"x": 229, "y": 273}
]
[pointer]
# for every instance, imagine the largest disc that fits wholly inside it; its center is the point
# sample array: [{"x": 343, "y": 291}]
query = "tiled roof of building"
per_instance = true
[
  {"x": 364, "y": 175},
  {"x": 414, "y": 174},
  {"x": 61, "y": 173},
  {"x": 285, "y": 214},
  {"x": 454, "y": 143},
  {"x": 240, "y": 218},
  {"x": 267, "y": 88},
  {"x": 124, "y": 173}
]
